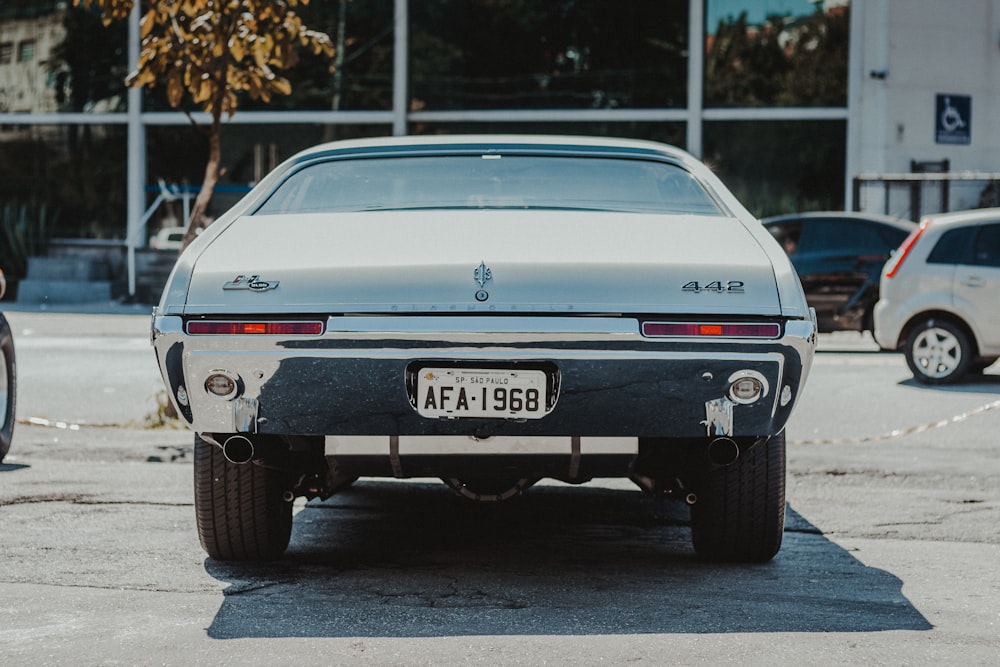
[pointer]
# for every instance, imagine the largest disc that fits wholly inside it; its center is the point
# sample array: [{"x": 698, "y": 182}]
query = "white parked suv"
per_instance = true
[{"x": 939, "y": 300}]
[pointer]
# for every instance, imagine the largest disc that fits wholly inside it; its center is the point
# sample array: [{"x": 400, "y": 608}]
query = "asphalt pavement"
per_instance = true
[{"x": 891, "y": 551}]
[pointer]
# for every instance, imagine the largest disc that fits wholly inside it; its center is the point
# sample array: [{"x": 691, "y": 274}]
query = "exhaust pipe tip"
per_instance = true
[
  {"x": 723, "y": 451},
  {"x": 238, "y": 449}
]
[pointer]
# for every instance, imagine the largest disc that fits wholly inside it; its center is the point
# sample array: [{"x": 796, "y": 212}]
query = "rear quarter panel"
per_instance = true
[{"x": 977, "y": 298}]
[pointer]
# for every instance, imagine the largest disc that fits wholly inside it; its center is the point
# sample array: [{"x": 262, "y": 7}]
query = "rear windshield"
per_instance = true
[{"x": 491, "y": 181}]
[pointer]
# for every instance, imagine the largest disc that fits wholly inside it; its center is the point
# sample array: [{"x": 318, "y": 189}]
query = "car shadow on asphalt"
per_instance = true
[
  {"x": 12, "y": 467},
  {"x": 986, "y": 383},
  {"x": 390, "y": 559}
]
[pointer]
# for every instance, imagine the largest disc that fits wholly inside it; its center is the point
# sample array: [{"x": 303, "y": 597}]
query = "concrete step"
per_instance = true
[
  {"x": 35, "y": 291},
  {"x": 152, "y": 268},
  {"x": 67, "y": 268},
  {"x": 84, "y": 271}
]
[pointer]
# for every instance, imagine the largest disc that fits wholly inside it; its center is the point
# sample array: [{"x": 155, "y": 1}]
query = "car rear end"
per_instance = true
[
  {"x": 623, "y": 336},
  {"x": 490, "y": 343},
  {"x": 938, "y": 296}
]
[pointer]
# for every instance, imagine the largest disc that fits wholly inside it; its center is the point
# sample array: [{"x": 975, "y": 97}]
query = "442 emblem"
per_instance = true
[
  {"x": 252, "y": 283},
  {"x": 716, "y": 287}
]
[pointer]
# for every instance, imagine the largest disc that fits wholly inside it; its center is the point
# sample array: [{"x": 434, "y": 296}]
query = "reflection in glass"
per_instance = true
[
  {"x": 65, "y": 180},
  {"x": 176, "y": 156},
  {"x": 776, "y": 53},
  {"x": 89, "y": 65},
  {"x": 57, "y": 58},
  {"x": 357, "y": 78},
  {"x": 508, "y": 179},
  {"x": 780, "y": 166},
  {"x": 504, "y": 54}
]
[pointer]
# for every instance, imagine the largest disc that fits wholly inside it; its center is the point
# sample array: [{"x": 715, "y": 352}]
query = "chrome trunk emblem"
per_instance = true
[
  {"x": 483, "y": 274},
  {"x": 252, "y": 283}
]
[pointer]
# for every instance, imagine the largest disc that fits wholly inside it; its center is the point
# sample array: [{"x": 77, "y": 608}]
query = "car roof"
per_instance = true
[
  {"x": 958, "y": 218},
  {"x": 899, "y": 223},
  {"x": 486, "y": 142}
]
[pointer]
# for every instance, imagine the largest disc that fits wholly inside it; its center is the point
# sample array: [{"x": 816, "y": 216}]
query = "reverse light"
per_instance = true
[
  {"x": 267, "y": 328},
  {"x": 711, "y": 329},
  {"x": 222, "y": 384},
  {"x": 746, "y": 387},
  {"x": 897, "y": 259}
]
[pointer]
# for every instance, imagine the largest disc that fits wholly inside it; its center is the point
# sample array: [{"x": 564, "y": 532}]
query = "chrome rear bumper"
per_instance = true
[{"x": 352, "y": 380}]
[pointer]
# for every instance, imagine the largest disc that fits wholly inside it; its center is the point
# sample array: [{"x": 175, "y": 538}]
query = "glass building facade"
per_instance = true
[{"x": 756, "y": 88}]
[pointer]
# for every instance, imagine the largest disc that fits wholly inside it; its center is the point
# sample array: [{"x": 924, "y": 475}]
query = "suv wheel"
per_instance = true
[{"x": 938, "y": 352}]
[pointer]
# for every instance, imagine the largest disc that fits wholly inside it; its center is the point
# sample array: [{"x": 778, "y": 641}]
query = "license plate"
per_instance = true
[{"x": 475, "y": 392}]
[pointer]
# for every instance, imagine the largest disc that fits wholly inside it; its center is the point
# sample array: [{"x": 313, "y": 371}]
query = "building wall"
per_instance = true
[{"x": 923, "y": 48}]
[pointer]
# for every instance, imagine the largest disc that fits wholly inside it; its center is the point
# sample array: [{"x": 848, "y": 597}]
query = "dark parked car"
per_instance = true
[{"x": 839, "y": 258}]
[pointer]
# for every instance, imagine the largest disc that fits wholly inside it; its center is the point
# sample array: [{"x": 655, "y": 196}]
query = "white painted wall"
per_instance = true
[{"x": 925, "y": 47}]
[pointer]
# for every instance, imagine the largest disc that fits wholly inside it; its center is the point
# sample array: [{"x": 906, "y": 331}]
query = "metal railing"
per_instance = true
[
  {"x": 914, "y": 195},
  {"x": 135, "y": 235}
]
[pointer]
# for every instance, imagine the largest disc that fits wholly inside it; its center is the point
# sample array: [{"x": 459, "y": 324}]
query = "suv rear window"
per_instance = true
[
  {"x": 953, "y": 247},
  {"x": 979, "y": 245},
  {"x": 987, "y": 252}
]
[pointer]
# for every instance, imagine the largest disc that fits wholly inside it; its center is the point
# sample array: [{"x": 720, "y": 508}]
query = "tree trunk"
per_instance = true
[{"x": 204, "y": 198}]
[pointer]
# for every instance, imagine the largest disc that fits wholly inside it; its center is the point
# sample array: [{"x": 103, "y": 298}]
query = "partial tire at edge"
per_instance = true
[{"x": 8, "y": 387}]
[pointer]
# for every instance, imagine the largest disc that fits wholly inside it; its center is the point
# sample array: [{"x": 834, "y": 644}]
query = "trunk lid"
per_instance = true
[{"x": 468, "y": 261}]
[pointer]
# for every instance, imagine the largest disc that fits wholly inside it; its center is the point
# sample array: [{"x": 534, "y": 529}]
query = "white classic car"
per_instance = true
[{"x": 490, "y": 311}]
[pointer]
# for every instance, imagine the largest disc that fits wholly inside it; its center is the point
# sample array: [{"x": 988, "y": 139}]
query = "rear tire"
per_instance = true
[
  {"x": 739, "y": 515},
  {"x": 938, "y": 352},
  {"x": 8, "y": 382},
  {"x": 239, "y": 508}
]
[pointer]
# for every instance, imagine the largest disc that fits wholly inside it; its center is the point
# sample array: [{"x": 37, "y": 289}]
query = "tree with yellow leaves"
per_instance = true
[{"x": 207, "y": 51}]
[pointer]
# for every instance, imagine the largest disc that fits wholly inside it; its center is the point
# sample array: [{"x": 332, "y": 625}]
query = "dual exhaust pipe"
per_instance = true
[
  {"x": 238, "y": 449},
  {"x": 723, "y": 451}
]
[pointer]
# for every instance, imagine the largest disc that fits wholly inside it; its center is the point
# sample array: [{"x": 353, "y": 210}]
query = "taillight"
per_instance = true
[
  {"x": 711, "y": 329},
  {"x": 904, "y": 250},
  {"x": 267, "y": 328}
]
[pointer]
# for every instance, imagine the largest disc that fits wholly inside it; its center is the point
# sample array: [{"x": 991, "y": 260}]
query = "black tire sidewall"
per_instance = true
[
  {"x": 7, "y": 349},
  {"x": 239, "y": 509},
  {"x": 739, "y": 515}
]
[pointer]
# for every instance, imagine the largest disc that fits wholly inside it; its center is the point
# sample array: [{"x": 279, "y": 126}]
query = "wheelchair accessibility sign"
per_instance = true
[{"x": 953, "y": 119}]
